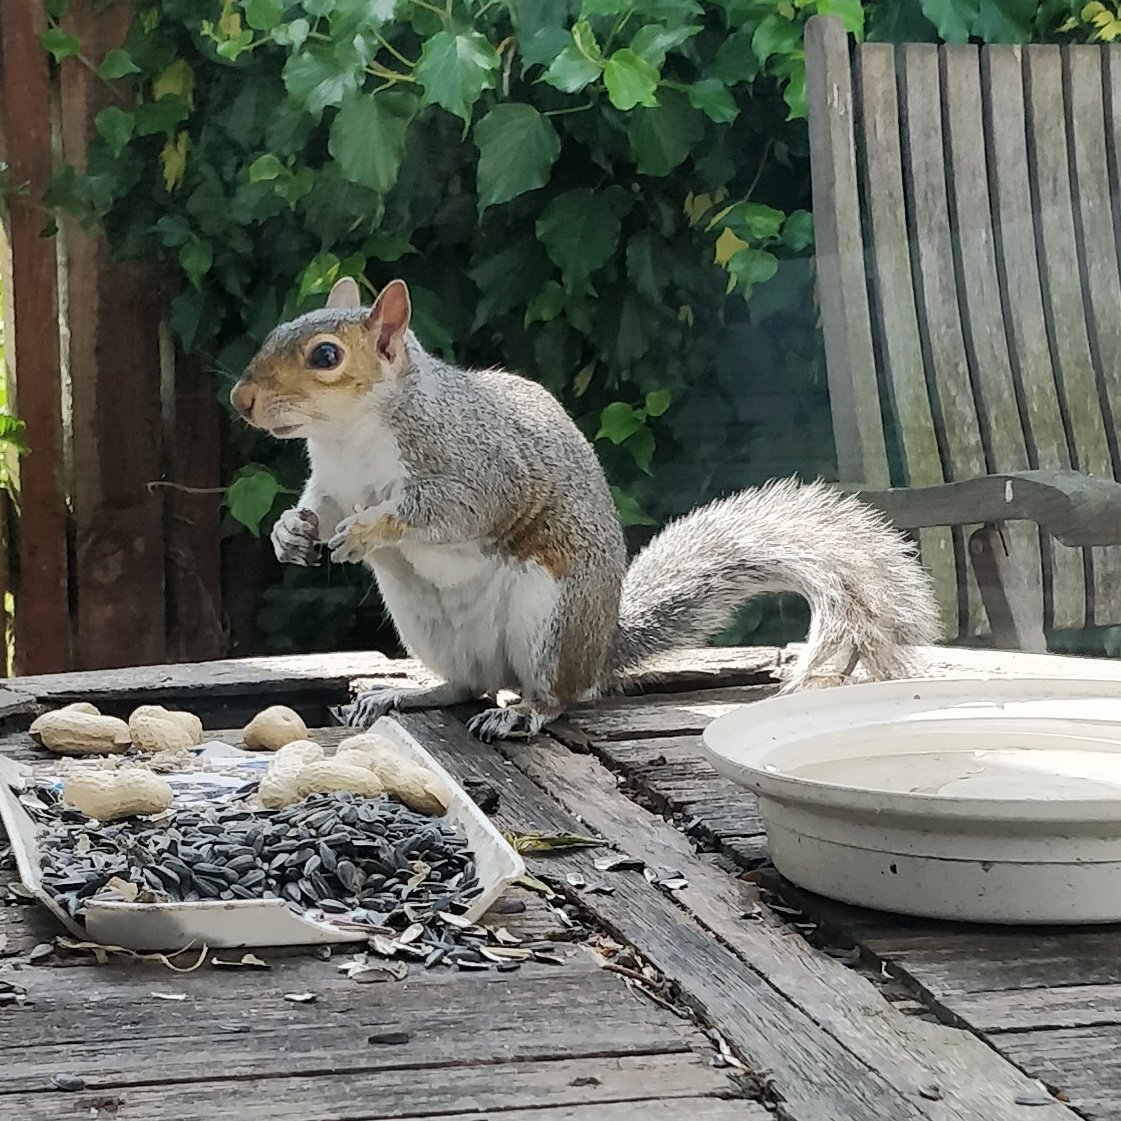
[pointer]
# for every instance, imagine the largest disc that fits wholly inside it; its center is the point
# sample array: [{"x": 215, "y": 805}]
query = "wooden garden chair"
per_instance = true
[{"x": 967, "y": 267}]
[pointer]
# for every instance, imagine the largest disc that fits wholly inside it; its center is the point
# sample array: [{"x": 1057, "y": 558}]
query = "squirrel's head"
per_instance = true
[{"x": 309, "y": 373}]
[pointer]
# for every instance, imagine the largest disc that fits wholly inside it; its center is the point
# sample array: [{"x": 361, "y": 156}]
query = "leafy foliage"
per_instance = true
[{"x": 607, "y": 195}]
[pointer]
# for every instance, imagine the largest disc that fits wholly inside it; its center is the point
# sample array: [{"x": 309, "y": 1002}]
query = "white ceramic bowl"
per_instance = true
[{"x": 986, "y": 800}]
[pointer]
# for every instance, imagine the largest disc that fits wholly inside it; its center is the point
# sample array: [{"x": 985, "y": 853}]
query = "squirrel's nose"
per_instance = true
[{"x": 242, "y": 397}]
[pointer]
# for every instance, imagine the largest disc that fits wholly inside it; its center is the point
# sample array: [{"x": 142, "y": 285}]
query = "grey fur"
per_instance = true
[{"x": 490, "y": 461}]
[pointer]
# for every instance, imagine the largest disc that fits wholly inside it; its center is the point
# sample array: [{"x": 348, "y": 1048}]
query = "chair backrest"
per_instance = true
[{"x": 967, "y": 257}]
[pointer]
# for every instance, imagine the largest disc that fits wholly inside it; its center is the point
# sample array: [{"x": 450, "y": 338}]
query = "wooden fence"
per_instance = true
[{"x": 111, "y": 545}]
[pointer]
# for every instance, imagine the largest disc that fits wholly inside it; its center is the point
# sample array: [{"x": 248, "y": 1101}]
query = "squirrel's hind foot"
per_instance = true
[
  {"x": 521, "y": 722},
  {"x": 372, "y": 704}
]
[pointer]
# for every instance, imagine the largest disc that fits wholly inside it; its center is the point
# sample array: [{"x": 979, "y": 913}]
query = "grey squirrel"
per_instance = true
[{"x": 489, "y": 526}]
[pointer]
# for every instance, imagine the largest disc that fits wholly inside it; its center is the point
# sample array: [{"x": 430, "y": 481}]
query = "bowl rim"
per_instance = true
[{"x": 765, "y": 720}]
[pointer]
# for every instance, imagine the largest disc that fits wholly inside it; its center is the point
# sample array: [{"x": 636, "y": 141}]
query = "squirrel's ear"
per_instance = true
[
  {"x": 389, "y": 317},
  {"x": 344, "y": 294}
]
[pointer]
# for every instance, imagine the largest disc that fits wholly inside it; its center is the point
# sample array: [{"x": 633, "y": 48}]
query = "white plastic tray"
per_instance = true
[
  {"x": 981, "y": 799},
  {"x": 250, "y": 922}
]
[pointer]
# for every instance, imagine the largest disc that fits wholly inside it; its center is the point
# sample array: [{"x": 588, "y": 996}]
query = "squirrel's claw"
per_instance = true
[
  {"x": 293, "y": 538},
  {"x": 371, "y": 705},
  {"x": 513, "y": 722}
]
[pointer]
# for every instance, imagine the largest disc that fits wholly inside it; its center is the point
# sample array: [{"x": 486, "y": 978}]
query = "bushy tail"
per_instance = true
[{"x": 868, "y": 595}]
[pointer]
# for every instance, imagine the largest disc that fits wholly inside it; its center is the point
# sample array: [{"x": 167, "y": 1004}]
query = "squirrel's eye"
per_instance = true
[{"x": 326, "y": 356}]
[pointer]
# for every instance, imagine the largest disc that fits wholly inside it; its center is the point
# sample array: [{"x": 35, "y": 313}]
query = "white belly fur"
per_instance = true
[{"x": 472, "y": 616}]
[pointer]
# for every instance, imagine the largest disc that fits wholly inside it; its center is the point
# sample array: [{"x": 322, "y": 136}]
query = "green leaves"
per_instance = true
[
  {"x": 712, "y": 97},
  {"x": 320, "y": 76},
  {"x": 517, "y": 149},
  {"x": 263, "y": 15},
  {"x": 116, "y": 127},
  {"x": 250, "y": 496},
  {"x": 60, "y": 44},
  {"x": 195, "y": 258},
  {"x": 117, "y": 63},
  {"x": 579, "y": 230},
  {"x": 750, "y": 267},
  {"x": 368, "y": 138},
  {"x": 264, "y": 168},
  {"x": 455, "y": 69},
  {"x": 662, "y": 138},
  {"x": 630, "y": 80}
]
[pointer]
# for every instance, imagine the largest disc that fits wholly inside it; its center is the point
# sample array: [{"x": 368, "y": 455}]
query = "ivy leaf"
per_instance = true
[
  {"x": 798, "y": 230},
  {"x": 455, "y": 69},
  {"x": 661, "y": 138},
  {"x": 851, "y": 12},
  {"x": 195, "y": 259},
  {"x": 115, "y": 127},
  {"x": 173, "y": 159},
  {"x": 642, "y": 270},
  {"x": 517, "y": 150},
  {"x": 368, "y": 138},
  {"x": 250, "y": 496},
  {"x": 292, "y": 34},
  {"x": 321, "y": 76},
  {"x": 570, "y": 71},
  {"x": 749, "y": 267},
  {"x": 953, "y": 18},
  {"x": 775, "y": 36},
  {"x": 619, "y": 422},
  {"x": 116, "y": 64},
  {"x": 641, "y": 447},
  {"x": 794, "y": 93},
  {"x": 630, "y": 512},
  {"x": 652, "y": 41},
  {"x": 178, "y": 80},
  {"x": 546, "y": 305},
  {"x": 579, "y": 230},
  {"x": 759, "y": 222},
  {"x": 736, "y": 60},
  {"x": 263, "y": 15},
  {"x": 630, "y": 80},
  {"x": 59, "y": 43},
  {"x": 1005, "y": 21},
  {"x": 712, "y": 97},
  {"x": 264, "y": 168},
  {"x": 657, "y": 402}
]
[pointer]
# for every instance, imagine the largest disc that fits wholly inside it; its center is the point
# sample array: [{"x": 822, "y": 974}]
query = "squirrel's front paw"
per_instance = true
[
  {"x": 363, "y": 533},
  {"x": 295, "y": 537}
]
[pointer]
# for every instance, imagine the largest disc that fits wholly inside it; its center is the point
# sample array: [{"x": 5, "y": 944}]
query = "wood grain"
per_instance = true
[{"x": 42, "y": 627}]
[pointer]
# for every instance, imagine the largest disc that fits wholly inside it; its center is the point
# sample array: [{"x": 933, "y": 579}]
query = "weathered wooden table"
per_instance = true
[{"x": 723, "y": 999}]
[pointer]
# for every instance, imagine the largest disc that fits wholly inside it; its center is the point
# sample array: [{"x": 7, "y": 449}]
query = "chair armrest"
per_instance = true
[{"x": 1079, "y": 510}]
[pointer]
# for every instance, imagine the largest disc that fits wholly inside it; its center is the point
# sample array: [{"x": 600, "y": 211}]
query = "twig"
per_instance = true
[{"x": 181, "y": 487}]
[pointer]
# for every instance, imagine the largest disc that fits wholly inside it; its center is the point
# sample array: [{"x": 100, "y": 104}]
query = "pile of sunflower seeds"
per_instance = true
[{"x": 361, "y": 862}]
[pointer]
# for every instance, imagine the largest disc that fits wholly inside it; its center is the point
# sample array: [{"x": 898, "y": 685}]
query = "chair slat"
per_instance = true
[
  {"x": 1018, "y": 265},
  {"x": 1086, "y": 97},
  {"x": 895, "y": 321},
  {"x": 979, "y": 295},
  {"x": 954, "y": 407},
  {"x": 853, "y": 389}
]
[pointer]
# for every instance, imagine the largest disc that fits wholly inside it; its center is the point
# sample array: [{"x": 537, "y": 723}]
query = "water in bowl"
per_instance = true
[{"x": 953, "y": 761}]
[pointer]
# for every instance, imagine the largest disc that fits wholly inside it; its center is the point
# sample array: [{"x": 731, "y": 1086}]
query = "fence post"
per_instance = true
[
  {"x": 114, "y": 311},
  {"x": 42, "y": 625}
]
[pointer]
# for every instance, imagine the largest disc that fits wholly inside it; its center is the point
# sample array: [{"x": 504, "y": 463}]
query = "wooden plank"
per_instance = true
[
  {"x": 193, "y": 440},
  {"x": 327, "y": 672},
  {"x": 1064, "y": 307},
  {"x": 704, "y": 1109},
  {"x": 671, "y": 714},
  {"x": 839, "y": 255},
  {"x": 382, "y": 1094},
  {"x": 1062, "y": 1006},
  {"x": 905, "y": 1051},
  {"x": 1084, "y": 1063},
  {"x": 948, "y": 373},
  {"x": 672, "y": 775},
  {"x": 447, "y": 1023},
  {"x": 986, "y": 342},
  {"x": 1101, "y": 280},
  {"x": 1021, "y": 289},
  {"x": 113, "y": 312},
  {"x": 751, "y": 980},
  {"x": 32, "y": 351},
  {"x": 895, "y": 315}
]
